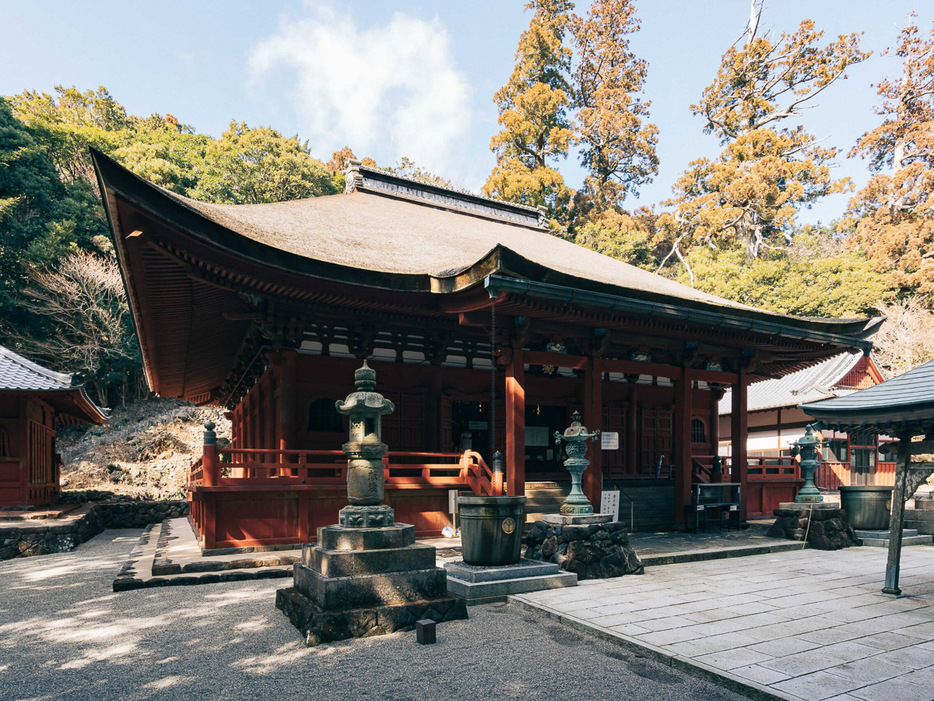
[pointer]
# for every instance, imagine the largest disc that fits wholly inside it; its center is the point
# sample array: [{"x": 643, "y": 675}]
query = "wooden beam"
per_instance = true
[
  {"x": 636, "y": 367},
  {"x": 515, "y": 424},
  {"x": 561, "y": 360},
  {"x": 682, "y": 447},
  {"x": 739, "y": 429},
  {"x": 593, "y": 406},
  {"x": 725, "y": 378}
]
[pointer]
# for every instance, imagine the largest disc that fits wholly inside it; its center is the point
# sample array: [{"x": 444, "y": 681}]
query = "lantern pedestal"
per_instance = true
[
  {"x": 359, "y": 582},
  {"x": 581, "y": 520},
  {"x": 366, "y": 575},
  {"x": 824, "y": 526}
]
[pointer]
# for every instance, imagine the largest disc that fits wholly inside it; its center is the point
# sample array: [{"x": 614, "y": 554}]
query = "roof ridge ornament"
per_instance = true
[
  {"x": 353, "y": 178},
  {"x": 380, "y": 181}
]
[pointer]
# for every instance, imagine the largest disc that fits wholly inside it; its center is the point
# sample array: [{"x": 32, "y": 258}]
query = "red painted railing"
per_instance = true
[
  {"x": 401, "y": 469},
  {"x": 765, "y": 468},
  {"x": 833, "y": 475}
]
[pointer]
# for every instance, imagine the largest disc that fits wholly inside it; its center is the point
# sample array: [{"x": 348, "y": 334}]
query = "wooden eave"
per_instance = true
[
  {"x": 72, "y": 406},
  {"x": 194, "y": 288}
]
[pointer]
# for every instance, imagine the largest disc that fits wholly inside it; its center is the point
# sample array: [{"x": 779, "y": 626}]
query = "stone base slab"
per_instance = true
[
  {"x": 319, "y": 626},
  {"x": 576, "y": 520},
  {"x": 805, "y": 505},
  {"x": 524, "y": 568},
  {"x": 499, "y": 590},
  {"x": 335, "y": 537},
  {"x": 371, "y": 590},
  {"x": 360, "y": 563}
]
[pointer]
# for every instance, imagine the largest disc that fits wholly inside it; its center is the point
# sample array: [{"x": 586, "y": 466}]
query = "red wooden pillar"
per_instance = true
[
  {"x": 285, "y": 431},
  {"x": 739, "y": 425},
  {"x": 515, "y": 425},
  {"x": 716, "y": 394},
  {"x": 632, "y": 431},
  {"x": 210, "y": 465},
  {"x": 682, "y": 448},
  {"x": 593, "y": 419}
]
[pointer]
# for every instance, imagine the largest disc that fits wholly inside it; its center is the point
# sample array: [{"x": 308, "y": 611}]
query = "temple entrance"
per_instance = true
[
  {"x": 542, "y": 457},
  {"x": 655, "y": 442},
  {"x": 470, "y": 428}
]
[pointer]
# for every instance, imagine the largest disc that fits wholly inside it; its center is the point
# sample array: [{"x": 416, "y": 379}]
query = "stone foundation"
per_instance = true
[
  {"x": 359, "y": 582},
  {"x": 921, "y": 518},
  {"x": 595, "y": 551},
  {"x": 318, "y": 625},
  {"x": 41, "y": 537},
  {"x": 829, "y": 527}
]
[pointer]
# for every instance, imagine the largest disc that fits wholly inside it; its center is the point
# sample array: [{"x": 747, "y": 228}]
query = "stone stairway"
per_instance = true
[
  {"x": 880, "y": 539},
  {"x": 544, "y": 498}
]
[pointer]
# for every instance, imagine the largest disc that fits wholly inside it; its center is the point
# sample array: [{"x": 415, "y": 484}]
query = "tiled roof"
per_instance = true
[
  {"x": 808, "y": 385},
  {"x": 911, "y": 390},
  {"x": 18, "y": 373}
]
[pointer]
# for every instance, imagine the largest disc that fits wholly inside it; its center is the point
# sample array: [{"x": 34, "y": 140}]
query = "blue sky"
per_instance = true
[{"x": 415, "y": 79}]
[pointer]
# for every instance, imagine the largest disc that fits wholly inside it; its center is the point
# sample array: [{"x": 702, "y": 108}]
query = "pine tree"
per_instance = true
[
  {"x": 750, "y": 194},
  {"x": 893, "y": 216},
  {"x": 618, "y": 148},
  {"x": 534, "y": 114}
]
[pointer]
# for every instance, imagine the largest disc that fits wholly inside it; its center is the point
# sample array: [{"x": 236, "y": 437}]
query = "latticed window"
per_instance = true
[
  {"x": 698, "y": 431},
  {"x": 862, "y": 457},
  {"x": 323, "y": 417},
  {"x": 4, "y": 444}
]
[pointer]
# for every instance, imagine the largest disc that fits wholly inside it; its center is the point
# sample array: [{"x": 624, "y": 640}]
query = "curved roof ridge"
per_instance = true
[
  {"x": 15, "y": 368},
  {"x": 385, "y": 238},
  {"x": 912, "y": 388}
]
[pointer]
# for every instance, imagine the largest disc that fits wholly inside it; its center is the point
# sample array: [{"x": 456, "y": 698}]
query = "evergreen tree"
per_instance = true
[
  {"x": 893, "y": 216},
  {"x": 618, "y": 148},
  {"x": 534, "y": 114},
  {"x": 749, "y": 195}
]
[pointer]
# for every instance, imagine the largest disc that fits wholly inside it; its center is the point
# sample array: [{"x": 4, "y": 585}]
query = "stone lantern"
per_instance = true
[
  {"x": 808, "y": 447},
  {"x": 575, "y": 439},
  {"x": 365, "y": 450}
]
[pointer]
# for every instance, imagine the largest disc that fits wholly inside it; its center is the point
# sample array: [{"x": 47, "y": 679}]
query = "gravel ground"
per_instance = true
[{"x": 65, "y": 634}]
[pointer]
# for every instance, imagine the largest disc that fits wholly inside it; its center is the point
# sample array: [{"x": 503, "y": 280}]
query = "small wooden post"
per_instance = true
[
  {"x": 893, "y": 564},
  {"x": 210, "y": 465}
]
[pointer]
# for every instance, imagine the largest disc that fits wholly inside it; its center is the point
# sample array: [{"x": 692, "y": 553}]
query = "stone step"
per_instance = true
[
  {"x": 906, "y": 541},
  {"x": 718, "y": 554},
  {"x": 906, "y": 533}
]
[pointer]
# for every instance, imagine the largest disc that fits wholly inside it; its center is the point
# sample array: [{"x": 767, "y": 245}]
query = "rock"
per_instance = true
[
  {"x": 829, "y": 529},
  {"x": 593, "y": 551}
]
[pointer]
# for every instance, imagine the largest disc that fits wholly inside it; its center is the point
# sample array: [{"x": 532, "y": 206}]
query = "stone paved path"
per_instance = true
[
  {"x": 805, "y": 625},
  {"x": 65, "y": 635}
]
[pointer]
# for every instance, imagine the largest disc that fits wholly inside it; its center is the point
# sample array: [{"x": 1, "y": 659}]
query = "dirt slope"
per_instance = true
[{"x": 144, "y": 451}]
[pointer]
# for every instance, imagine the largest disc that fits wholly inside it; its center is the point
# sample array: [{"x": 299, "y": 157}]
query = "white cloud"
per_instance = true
[{"x": 387, "y": 91}]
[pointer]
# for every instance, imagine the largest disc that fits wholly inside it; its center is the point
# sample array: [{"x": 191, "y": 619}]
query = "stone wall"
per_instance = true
[
  {"x": 41, "y": 537},
  {"x": 829, "y": 528},
  {"x": 594, "y": 551}
]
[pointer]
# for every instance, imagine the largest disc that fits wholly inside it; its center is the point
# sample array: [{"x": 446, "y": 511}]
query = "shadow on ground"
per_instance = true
[{"x": 64, "y": 634}]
